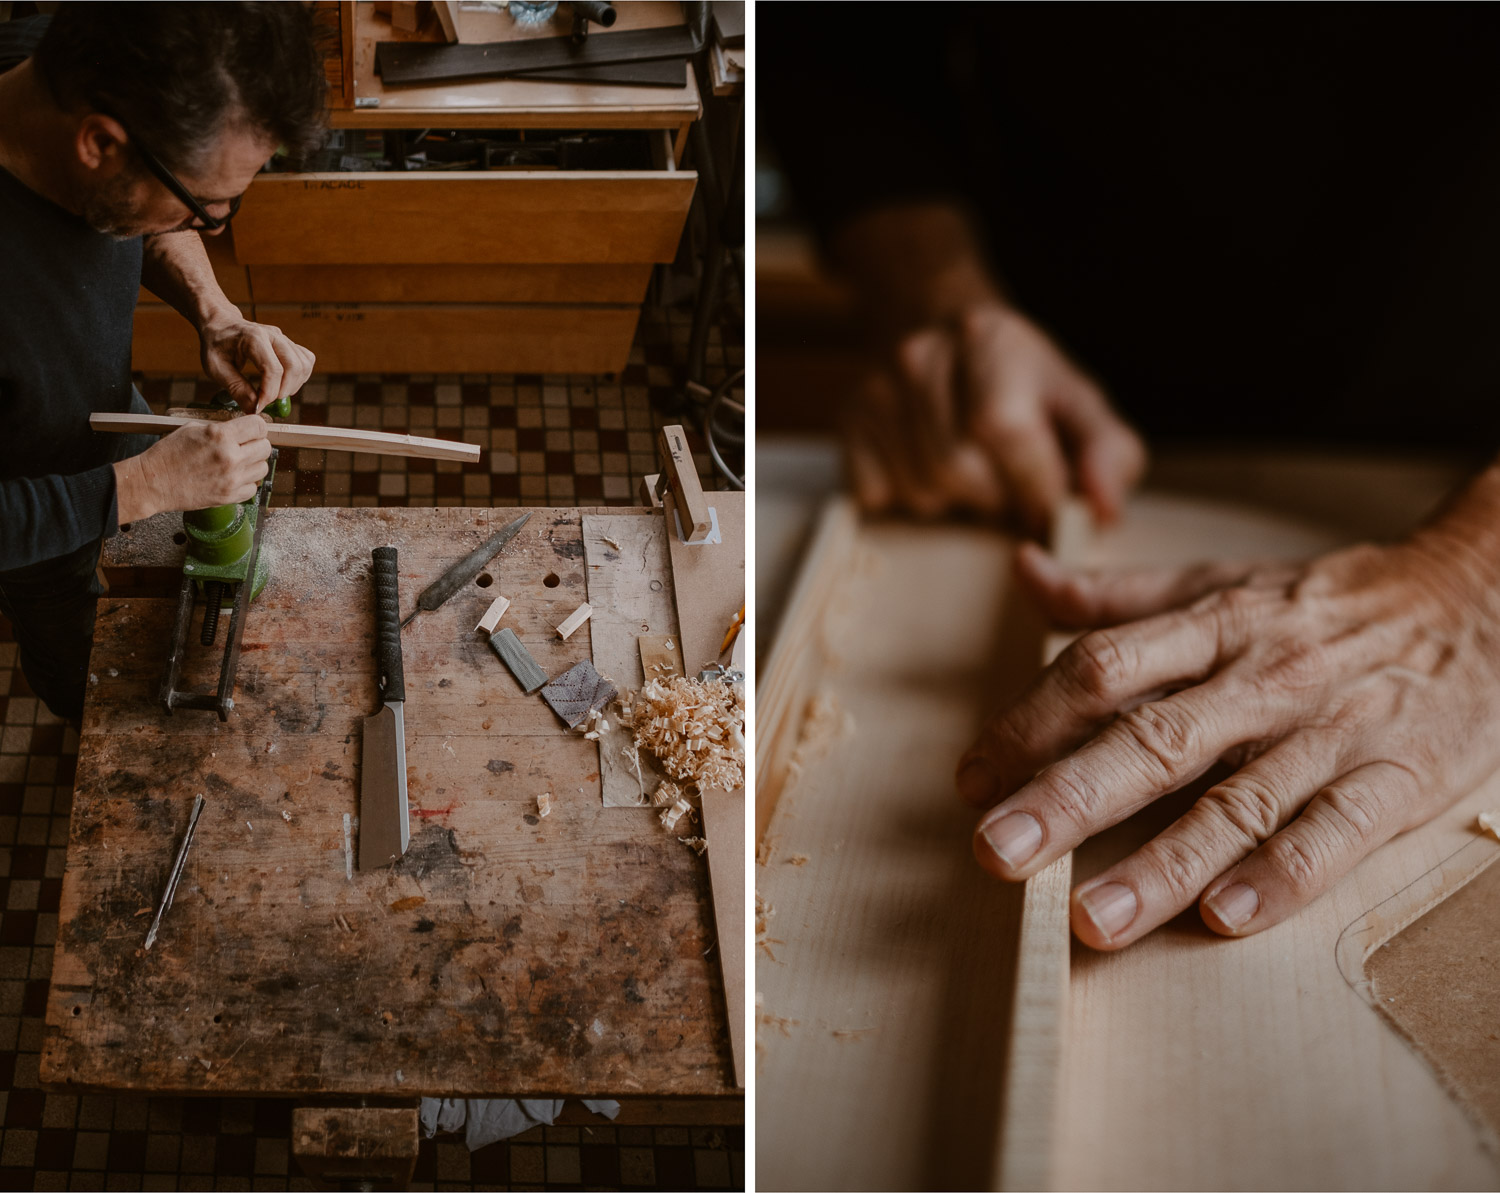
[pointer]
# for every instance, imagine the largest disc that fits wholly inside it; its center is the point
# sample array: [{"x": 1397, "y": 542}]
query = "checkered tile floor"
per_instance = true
[{"x": 551, "y": 441}]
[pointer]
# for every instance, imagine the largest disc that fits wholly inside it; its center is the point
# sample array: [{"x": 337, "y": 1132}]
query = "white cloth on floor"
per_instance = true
[{"x": 488, "y": 1120}]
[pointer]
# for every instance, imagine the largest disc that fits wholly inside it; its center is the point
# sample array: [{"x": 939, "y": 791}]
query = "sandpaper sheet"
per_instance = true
[{"x": 1438, "y": 981}]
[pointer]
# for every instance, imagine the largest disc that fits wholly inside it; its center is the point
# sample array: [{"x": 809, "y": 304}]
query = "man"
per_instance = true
[
  {"x": 1244, "y": 220},
  {"x": 125, "y": 129}
]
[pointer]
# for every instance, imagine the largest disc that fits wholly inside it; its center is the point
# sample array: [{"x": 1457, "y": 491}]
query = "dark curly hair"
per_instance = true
[{"x": 177, "y": 75}]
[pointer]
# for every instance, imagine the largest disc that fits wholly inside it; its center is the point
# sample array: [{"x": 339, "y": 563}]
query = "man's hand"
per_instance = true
[
  {"x": 196, "y": 466},
  {"x": 1358, "y": 695},
  {"x": 985, "y": 413},
  {"x": 234, "y": 350}
]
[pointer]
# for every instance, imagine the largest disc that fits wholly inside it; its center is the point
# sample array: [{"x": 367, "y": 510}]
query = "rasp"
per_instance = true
[{"x": 465, "y": 569}]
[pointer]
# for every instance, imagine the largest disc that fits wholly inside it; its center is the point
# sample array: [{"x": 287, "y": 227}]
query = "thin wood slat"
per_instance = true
[{"x": 377, "y": 443}]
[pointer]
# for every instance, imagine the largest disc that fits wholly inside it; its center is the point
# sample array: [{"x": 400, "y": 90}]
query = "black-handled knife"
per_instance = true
[{"x": 384, "y": 827}]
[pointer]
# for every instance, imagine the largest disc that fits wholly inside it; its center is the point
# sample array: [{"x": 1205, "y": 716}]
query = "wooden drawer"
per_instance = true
[
  {"x": 464, "y": 338},
  {"x": 462, "y": 218},
  {"x": 450, "y": 283},
  {"x": 164, "y": 342}
]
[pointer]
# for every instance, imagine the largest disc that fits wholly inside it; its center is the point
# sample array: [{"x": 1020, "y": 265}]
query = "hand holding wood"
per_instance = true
[{"x": 1358, "y": 696}]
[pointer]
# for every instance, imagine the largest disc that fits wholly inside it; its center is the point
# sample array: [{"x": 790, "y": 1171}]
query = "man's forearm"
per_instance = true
[
  {"x": 915, "y": 264},
  {"x": 177, "y": 270}
]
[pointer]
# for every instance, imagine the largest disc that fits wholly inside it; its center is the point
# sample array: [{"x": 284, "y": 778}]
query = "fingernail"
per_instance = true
[
  {"x": 1235, "y": 905},
  {"x": 975, "y": 782},
  {"x": 1111, "y": 907},
  {"x": 1014, "y": 838}
]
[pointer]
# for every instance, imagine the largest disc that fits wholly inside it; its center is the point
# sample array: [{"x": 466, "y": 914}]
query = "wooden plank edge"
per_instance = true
[
  {"x": 1027, "y": 1139},
  {"x": 793, "y": 662}
]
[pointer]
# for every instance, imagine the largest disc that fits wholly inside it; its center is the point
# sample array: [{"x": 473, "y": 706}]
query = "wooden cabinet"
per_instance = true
[{"x": 531, "y": 270}]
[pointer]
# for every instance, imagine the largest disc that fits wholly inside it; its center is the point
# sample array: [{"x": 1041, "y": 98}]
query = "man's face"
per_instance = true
[{"x": 136, "y": 203}]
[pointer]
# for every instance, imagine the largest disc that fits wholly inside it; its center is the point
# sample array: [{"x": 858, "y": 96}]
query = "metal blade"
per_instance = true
[{"x": 384, "y": 826}]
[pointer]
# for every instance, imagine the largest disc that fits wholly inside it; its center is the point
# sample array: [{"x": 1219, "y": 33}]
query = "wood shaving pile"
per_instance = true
[
  {"x": 696, "y": 844},
  {"x": 696, "y": 728},
  {"x": 667, "y": 792},
  {"x": 544, "y": 804}
]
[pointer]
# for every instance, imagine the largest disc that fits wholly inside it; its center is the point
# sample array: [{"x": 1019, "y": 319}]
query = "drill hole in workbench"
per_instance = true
[
  {"x": 218, "y": 1018},
  {"x": 484, "y": 579},
  {"x": 179, "y": 538},
  {"x": 78, "y": 1010},
  {"x": 551, "y": 581}
]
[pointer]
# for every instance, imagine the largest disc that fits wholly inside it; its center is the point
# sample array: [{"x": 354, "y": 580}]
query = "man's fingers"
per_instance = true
[
  {"x": 1229, "y": 821},
  {"x": 1148, "y": 751},
  {"x": 1345, "y": 821},
  {"x": 245, "y": 428},
  {"x": 1109, "y": 458},
  {"x": 1027, "y": 454},
  {"x": 1091, "y": 681},
  {"x": 1083, "y": 600}
]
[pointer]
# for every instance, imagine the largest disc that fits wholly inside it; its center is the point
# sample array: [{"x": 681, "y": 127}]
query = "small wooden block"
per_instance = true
[
  {"x": 356, "y": 1146},
  {"x": 493, "y": 614},
  {"x": 577, "y": 692},
  {"x": 518, "y": 659},
  {"x": 406, "y": 15},
  {"x": 575, "y": 619},
  {"x": 692, "y": 506},
  {"x": 648, "y": 490},
  {"x": 661, "y": 656}
]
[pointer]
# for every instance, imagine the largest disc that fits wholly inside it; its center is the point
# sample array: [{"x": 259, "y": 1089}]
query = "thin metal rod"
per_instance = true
[{"x": 176, "y": 875}]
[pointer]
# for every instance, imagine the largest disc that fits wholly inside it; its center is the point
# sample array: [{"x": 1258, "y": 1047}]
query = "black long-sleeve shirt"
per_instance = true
[
  {"x": 1266, "y": 221},
  {"x": 67, "y": 298}
]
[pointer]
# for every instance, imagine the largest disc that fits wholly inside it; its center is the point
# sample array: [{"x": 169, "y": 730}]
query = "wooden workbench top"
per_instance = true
[{"x": 503, "y": 955}]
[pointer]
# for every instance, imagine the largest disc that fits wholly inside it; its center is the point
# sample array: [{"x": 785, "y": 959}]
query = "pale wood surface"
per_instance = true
[
  {"x": 347, "y": 439},
  {"x": 724, "y": 830},
  {"x": 516, "y": 103},
  {"x": 449, "y": 283},
  {"x": 459, "y": 337},
  {"x": 708, "y": 580},
  {"x": 630, "y": 584},
  {"x": 502, "y": 956},
  {"x": 572, "y": 217},
  {"x": 1191, "y": 1061}
]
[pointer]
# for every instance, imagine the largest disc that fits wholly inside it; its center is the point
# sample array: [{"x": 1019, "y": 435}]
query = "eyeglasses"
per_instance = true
[{"x": 169, "y": 180}]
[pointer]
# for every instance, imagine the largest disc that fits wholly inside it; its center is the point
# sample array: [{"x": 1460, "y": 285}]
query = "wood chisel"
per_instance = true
[
  {"x": 465, "y": 569},
  {"x": 384, "y": 828}
]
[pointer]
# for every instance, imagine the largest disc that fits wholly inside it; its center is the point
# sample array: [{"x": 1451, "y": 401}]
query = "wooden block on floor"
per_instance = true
[
  {"x": 661, "y": 656},
  {"x": 493, "y": 614},
  {"x": 518, "y": 659},
  {"x": 575, "y": 619},
  {"x": 352, "y": 1147}
]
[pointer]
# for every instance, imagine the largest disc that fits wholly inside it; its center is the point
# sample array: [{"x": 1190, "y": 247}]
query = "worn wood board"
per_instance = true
[
  {"x": 1190, "y": 1061},
  {"x": 709, "y": 579},
  {"x": 630, "y": 588},
  {"x": 724, "y": 830},
  {"x": 503, "y": 955}
]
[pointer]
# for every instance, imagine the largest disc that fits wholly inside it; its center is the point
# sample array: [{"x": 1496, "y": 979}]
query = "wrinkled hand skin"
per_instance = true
[
  {"x": 982, "y": 412},
  {"x": 234, "y": 350},
  {"x": 1358, "y": 695}
]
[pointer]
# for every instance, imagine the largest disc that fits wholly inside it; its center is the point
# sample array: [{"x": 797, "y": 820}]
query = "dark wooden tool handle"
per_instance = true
[{"x": 388, "y": 626}]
